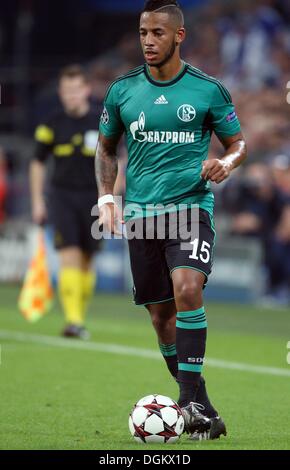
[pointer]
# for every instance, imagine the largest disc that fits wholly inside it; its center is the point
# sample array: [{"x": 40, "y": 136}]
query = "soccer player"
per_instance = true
[
  {"x": 70, "y": 137},
  {"x": 168, "y": 110}
]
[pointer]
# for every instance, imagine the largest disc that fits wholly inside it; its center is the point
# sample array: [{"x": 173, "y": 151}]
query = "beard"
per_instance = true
[{"x": 167, "y": 57}]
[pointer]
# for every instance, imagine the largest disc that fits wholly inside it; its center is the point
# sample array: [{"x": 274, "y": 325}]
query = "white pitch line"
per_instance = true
[
  {"x": 78, "y": 344},
  {"x": 131, "y": 351}
]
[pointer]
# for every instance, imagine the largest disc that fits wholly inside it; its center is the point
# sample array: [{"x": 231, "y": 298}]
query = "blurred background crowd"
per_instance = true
[{"x": 244, "y": 43}]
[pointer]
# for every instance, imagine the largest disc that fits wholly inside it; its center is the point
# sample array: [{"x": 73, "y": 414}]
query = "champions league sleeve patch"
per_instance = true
[
  {"x": 105, "y": 116},
  {"x": 231, "y": 117}
]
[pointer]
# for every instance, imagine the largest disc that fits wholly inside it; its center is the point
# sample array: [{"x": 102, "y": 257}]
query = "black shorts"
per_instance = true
[
  {"x": 153, "y": 260},
  {"x": 70, "y": 216}
]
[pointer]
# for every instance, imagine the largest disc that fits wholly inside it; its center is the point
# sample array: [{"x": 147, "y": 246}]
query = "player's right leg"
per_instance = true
[{"x": 163, "y": 317}]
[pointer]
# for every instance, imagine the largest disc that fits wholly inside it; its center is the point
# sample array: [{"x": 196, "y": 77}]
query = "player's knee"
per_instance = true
[
  {"x": 188, "y": 292},
  {"x": 158, "y": 321},
  {"x": 161, "y": 322}
]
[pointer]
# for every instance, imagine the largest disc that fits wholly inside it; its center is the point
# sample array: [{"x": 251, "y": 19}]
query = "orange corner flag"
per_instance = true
[{"x": 36, "y": 294}]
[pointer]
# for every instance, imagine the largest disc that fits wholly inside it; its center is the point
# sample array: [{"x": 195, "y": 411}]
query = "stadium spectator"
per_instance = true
[
  {"x": 261, "y": 209},
  {"x": 280, "y": 165},
  {"x": 3, "y": 185}
]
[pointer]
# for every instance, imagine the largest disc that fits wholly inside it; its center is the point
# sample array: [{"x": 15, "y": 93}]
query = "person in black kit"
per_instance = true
[{"x": 70, "y": 137}]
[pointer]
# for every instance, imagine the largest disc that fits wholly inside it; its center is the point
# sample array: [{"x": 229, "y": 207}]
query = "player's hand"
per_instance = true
[
  {"x": 215, "y": 170},
  {"x": 39, "y": 212},
  {"x": 111, "y": 218}
]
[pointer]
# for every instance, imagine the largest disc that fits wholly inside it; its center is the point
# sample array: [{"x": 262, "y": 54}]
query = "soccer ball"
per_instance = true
[{"x": 157, "y": 419}]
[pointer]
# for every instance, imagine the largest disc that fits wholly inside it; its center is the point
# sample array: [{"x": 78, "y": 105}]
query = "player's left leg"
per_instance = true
[
  {"x": 191, "y": 330},
  {"x": 163, "y": 317},
  {"x": 164, "y": 321},
  {"x": 189, "y": 258}
]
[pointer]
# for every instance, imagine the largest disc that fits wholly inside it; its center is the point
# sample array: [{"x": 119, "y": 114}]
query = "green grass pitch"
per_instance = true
[{"x": 55, "y": 395}]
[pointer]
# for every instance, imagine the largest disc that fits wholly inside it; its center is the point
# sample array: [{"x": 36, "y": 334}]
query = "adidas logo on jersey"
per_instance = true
[{"x": 161, "y": 100}]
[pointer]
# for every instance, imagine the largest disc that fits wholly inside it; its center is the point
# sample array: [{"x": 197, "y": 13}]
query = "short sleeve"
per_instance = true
[
  {"x": 110, "y": 122},
  {"x": 44, "y": 138},
  {"x": 224, "y": 119}
]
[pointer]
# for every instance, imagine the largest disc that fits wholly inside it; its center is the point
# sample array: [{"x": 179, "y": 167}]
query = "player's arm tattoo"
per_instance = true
[
  {"x": 235, "y": 150},
  {"x": 106, "y": 164}
]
